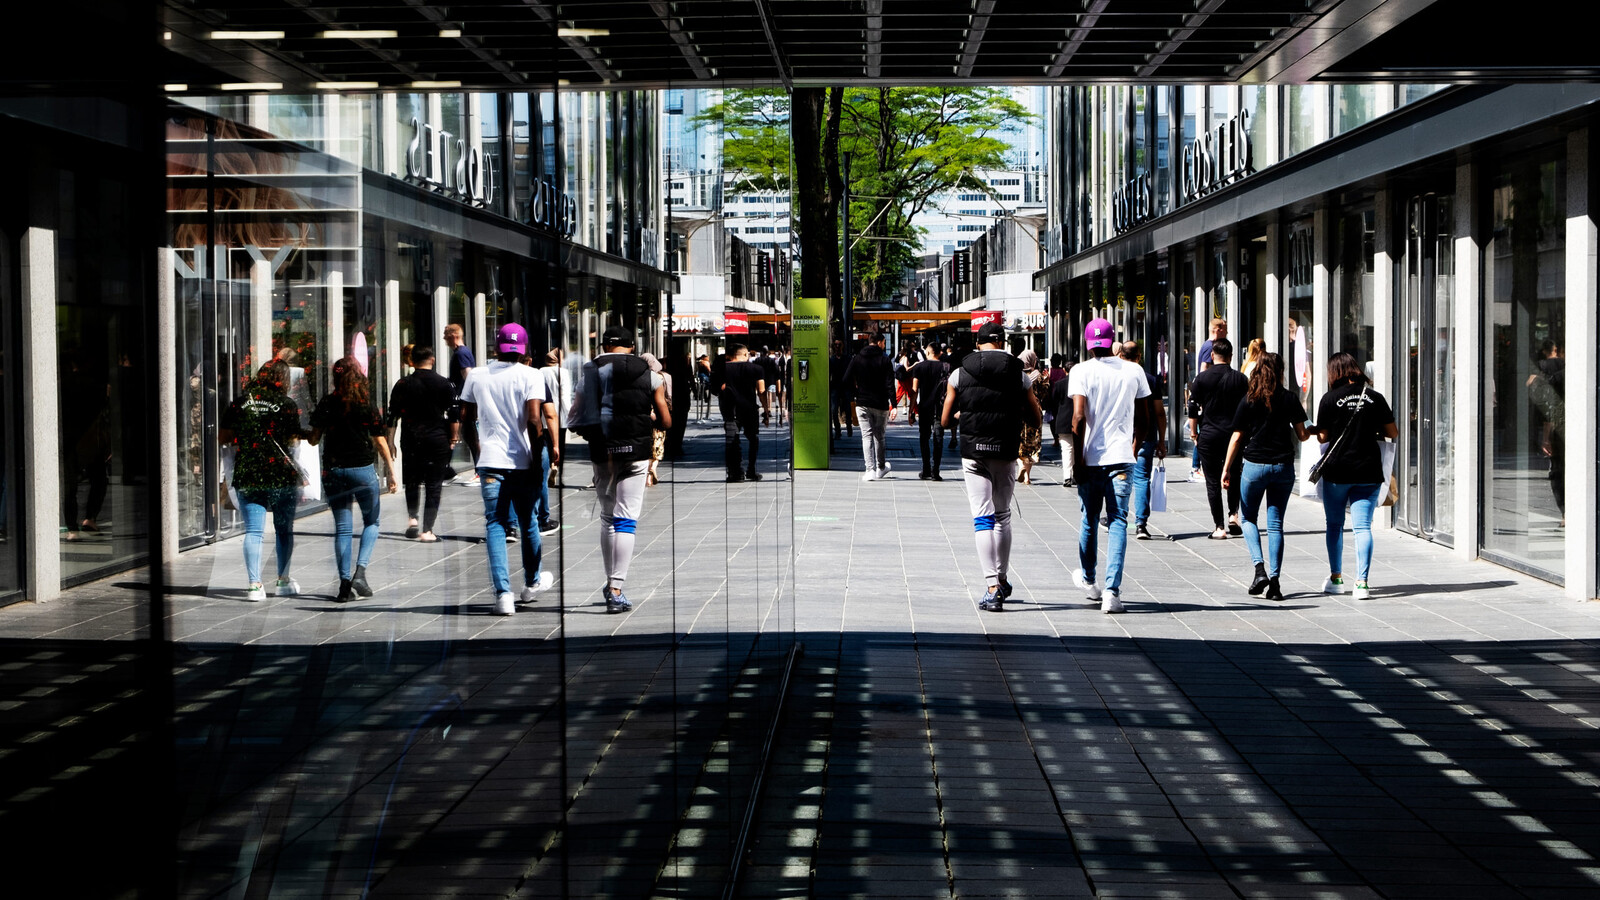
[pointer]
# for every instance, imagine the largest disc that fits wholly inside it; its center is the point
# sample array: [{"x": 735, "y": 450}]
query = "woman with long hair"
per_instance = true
[
  {"x": 1032, "y": 435},
  {"x": 263, "y": 423},
  {"x": 1252, "y": 356},
  {"x": 1266, "y": 426},
  {"x": 1351, "y": 420},
  {"x": 354, "y": 432},
  {"x": 658, "y": 444}
]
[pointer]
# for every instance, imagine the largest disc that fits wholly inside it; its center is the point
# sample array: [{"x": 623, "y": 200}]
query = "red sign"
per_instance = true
[
  {"x": 736, "y": 323},
  {"x": 982, "y": 317}
]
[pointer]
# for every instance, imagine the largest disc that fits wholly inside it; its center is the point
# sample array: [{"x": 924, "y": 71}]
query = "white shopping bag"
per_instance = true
[
  {"x": 1158, "y": 488},
  {"x": 231, "y": 495},
  {"x": 310, "y": 466},
  {"x": 1309, "y": 488}
]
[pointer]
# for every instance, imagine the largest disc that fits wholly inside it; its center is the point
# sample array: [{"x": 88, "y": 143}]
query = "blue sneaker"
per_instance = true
[
  {"x": 1006, "y": 590},
  {"x": 616, "y": 602},
  {"x": 993, "y": 601}
]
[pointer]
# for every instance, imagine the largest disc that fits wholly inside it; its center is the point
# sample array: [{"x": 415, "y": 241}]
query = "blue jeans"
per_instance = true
[
  {"x": 1108, "y": 487},
  {"x": 1362, "y": 500},
  {"x": 281, "y": 502},
  {"x": 541, "y": 502},
  {"x": 508, "y": 492},
  {"x": 359, "y": 484},
  {"x": 1274, "y": 481},
  {"x": 1142, "y": 464}
]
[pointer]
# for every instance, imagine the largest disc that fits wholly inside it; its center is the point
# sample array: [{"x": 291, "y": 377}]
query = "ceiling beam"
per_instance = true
[
  {"x": 771, "y": 32},
  {"x": 577, "y": 45},
  {"x": 390, "y": 56},
  {"x": 1075, "y": 38},
  {"x": 436, "y": 15},
  {"x": 674, "y": 27},
  {"x": 1191, "y": 24},
  {"x": 978, "y": 24}
]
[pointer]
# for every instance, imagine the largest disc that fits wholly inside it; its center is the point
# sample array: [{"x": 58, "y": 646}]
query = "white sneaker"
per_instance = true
[
  {"x": 1363, "y": 592},
  {"x": 869, "y": 476},
  {"x": 1333, "y": 586},
  {"x": 1111, "y": 603},
  {"x": 288, "y": 587},
  {"x": 540, "y": 585},
  {"x": 884, "y": 472},
  {"x": 505, "y": 604},
  {"x": 256, "y": 593},
  {"x": 1092, "y": 589}
]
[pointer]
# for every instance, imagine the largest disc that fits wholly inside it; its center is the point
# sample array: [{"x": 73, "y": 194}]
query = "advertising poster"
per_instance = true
[{"x": 808, "y": 374}]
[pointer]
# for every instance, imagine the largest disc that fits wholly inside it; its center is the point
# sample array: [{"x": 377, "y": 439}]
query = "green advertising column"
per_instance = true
[{"x": 808, "y": 372}]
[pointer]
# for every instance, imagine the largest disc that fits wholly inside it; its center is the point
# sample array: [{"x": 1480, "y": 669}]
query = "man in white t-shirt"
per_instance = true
[
  {"x": 514, "y": 418},
  {"x": 1104, "y": 391}
]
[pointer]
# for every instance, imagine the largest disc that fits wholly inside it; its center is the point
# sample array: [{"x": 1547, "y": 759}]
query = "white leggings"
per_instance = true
[
  {"x": 990, "y": 484},
  {"x": 620, "y": 489}
]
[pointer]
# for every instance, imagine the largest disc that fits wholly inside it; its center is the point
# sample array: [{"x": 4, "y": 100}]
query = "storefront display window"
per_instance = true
[
  {"x": 1525, "y": 289},
  {"x": 1355, "y": 105},
  {"x": 1256, "y": 101},
  {"x": 10, "y": 536},
  {"x": 1300, "y": 115},
  {"x": 1357, "y": 231},
  {"x": 1300, "y": 354}
]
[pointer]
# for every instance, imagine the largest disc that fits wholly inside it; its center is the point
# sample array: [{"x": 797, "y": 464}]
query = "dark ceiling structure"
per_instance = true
[{"x": 503, "y": 44}]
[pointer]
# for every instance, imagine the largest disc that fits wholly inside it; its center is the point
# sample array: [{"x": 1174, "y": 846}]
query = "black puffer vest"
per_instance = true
[
  {"x": 990, "y": 401},
  {"x": 625, "y": 405}
]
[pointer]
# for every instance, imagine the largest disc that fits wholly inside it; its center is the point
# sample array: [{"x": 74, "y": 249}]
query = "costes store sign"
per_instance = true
[
  {"x": 1211, "y": 161},
  {"x": 444, "y": 162}
]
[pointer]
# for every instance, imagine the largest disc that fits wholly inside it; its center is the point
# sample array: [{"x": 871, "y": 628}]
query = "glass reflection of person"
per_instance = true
[
  {"x": 355, "y": 441},
  {"x": 1547, "y": 388},
  {"x": 85, "y": 445}
]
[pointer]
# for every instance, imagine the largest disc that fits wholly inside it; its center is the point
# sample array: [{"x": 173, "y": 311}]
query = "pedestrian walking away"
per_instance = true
[
  {"x": 620, "y": 394},
  {"x": 1032, "y": 435},
  {"x": 351, "y": 434},
  {"x": 992, "y": 396},
  {"x": 1213, "y": 399},
  {"x": 869, "y": 384},
  {"x": 739, "y": 390},
  {"x": 1203, "y": 361},
  {"x": 1151, "y": 444},
  {"x": 929, "y": 383},
  {"x": 1266, "y": 426},
  {"x": 1061, "y": 407},
  {"x": 1352, "y": 420},
  {"x": 506, "y": 401},
  {"x": 263, "y": 424},
  {"x": 1107, "y": 413},
  {"x": 423, "y": 406},
  {"x": 462, "y": 362}
]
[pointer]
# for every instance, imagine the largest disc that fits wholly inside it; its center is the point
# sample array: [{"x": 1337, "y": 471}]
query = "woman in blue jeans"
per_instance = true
[
  {"x": 263, "y": 424},
  {"x": 1352, "y": 420},
  {"x": 351, "y": 431},
  {"x": 1266, "y": 427}
]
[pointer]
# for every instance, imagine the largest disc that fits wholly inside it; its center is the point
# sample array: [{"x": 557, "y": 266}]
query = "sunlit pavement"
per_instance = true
[{"x": 1436, "y": 740}]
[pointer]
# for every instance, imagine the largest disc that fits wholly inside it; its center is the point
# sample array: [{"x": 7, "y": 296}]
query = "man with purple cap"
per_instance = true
[
  {"x": 1105, "y": 392},
  {"x": 514, "y": 417}
]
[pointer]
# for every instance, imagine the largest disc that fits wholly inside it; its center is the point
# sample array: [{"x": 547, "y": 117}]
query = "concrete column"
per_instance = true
[
  {"x": 41, "y": 415},
  {"x": 1472, "y": 363},
  {"x": 260, "y": 314},
  {"x": 333, "y": 298},
  {"x": 441, "y": 314},
  {"x": 1234, "y": 305},
  {"x": 393, "y": 160},
  {"x": 1386, "y": 312},
  {"x": 389, "y": 333},
  {"x": 1322, "y": 307},
  {"x": 1273, "y": 328},
  {"x": 1582, "y": 334},
  {"x": 167, "y": 402},
  {"x": 479, "y": 326}
]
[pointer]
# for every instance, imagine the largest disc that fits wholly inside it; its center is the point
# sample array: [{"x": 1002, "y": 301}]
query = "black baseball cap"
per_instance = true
[
  {"x": 991, "y": 333},
  {"x": 617, "y": 336}
]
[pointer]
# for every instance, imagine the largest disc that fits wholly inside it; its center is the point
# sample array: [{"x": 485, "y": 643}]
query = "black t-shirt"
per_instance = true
[
  {"x": 769, "y": 370},
  {"x": 346, "y": 434},
  {"x": 265, "y": 423},
  {"x": 1214, "y": 398},
  {"x": 1269, "y": 433},
  {"x": 741, "y": 379},
  {"x": 1355, "y": 459},
  {"x": 931, "y": 376}
]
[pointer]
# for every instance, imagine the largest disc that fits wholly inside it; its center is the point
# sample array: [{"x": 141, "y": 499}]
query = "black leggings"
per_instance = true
[
  {"x": 431, "y": 510},
  {"x": 1212, "y": 458}
]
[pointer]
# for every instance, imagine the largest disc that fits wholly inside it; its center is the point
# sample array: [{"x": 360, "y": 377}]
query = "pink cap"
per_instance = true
[{"x": 1097, "y": 334}]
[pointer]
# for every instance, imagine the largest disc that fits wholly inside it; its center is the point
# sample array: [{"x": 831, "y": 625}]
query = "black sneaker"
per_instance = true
[
  {"x": 753, "y": 475},
  {"x": 1260, "y": 582},
  {"x": 618, "y": 602},
  {"x": 1141, "y": 533},
  {"x": 346, "y": 592},
  {"x": 1274, "y": 592},
  {"x": 1006, "y": 590},
  {"x": 992, "y": 601},
  {"x": 1234, "y": 529},
  {"x": 936, "y": 477},
  {"x": 359, "y": 582},
  {"x": 550, "y": 527},
  {"x": 735, "y": 477},
  {"x": 924, "y": 475},
  {"x": 511, "y": 536}
]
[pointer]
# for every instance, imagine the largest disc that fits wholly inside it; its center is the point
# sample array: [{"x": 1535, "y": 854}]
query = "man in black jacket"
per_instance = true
[
  {"x": 869, "y": 384},
  {"x": 928, "y": 384},
  {"x": 425, "y": 402},
  {"x": 992, "y": 394},
  {"x": 740, "y": 382},
  {"x": 1213, "y": 399}
]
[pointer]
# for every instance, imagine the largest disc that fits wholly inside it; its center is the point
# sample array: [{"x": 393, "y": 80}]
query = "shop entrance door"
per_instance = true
[{"x": 1426, "y": 396}]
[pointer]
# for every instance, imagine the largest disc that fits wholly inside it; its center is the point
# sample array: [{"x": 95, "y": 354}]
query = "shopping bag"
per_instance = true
[
  {"x": 1158, "y": 488},
  {"x": 310, "y": 466},
  {"x": 1311, "y": 485},
  {"x": 230, "y": 497},
  {"x": 1386, "y": 452}
]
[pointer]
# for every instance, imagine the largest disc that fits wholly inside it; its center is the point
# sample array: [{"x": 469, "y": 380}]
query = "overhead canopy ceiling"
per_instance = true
[{"x": 501, "y": 44}]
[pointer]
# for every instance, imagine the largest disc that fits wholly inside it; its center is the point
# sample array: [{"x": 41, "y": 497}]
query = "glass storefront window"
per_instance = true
[
  {"x": 1355, "y": 105},
  {"x": 1356, "y": 236},
  {"x": 1299, "y": 353},
  {"x": 1255, "y": 100},
  {"x": 1524, "y": 459},
  {"x": 1300, "y": 111},
  {"x": 1164, "y": 168}
]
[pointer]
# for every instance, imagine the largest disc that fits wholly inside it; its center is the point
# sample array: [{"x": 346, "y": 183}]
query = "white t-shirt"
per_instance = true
[
  {"x": 502, "y": 391},
  {"x": 1110, "y": 386}
]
